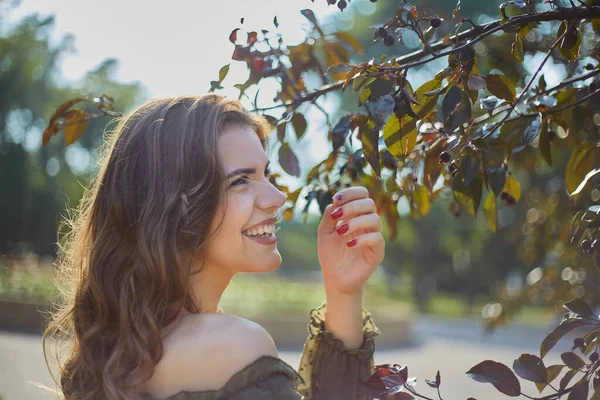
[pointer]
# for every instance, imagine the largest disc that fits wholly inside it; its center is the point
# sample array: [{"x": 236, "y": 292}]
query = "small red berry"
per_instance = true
[
  {"x": 382, "y": 32},
  {"x": 342, "y": 5},
  {"x": 388, "y": 40},
  {"x": 504, "y": 195}
]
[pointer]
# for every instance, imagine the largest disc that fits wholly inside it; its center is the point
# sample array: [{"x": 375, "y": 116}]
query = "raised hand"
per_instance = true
[{"x": 350, "y": 243}]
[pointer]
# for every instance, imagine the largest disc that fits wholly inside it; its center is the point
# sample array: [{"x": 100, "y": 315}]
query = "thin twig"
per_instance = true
[
  {"x": 473, "y": 35},
  {"x": 524, "y": 92}
]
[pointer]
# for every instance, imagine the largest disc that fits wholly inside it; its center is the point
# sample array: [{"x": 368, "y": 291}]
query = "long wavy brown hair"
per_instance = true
[{"x": 125, "y": 260}]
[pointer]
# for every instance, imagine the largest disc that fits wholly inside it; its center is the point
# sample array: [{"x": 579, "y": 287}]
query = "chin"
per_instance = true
[{"x": 270, "y": 265}]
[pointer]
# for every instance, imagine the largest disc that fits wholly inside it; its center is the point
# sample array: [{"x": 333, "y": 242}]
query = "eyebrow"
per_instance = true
[{"x": 245, "y": 171}]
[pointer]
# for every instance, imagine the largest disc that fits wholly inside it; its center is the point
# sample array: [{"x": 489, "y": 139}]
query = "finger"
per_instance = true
[
  {"x": 327, "y": 224},
  {"x": 353, "y": 209},
  {"x": 352, "y": 193},
  {"x": 367, "y": 223},
  {"x": 371, "y": 239}
]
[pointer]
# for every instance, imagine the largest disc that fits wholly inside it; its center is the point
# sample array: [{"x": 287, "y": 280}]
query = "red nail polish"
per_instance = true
[
  {"x": 337, "y": 213},
  {"x": 338, "y": 197},
  {"x": 342, "y": 229},
  {"x": 352, "y": 243}
]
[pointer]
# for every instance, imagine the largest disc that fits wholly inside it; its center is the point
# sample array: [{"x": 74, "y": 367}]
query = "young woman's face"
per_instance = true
[{"x": 244, "y": 242}]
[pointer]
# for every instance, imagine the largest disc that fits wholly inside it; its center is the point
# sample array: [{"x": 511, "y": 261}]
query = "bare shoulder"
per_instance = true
[{"x": 204, "y": 351}]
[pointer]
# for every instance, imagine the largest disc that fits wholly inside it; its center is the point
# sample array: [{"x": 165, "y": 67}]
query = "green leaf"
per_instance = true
[
  {"x": 517, "y": 49},
  {"x": 288, "y": 160},
  {"x": 532, "y": 131},
  {"x": 496, "y": 179},
  {"x": 420, "y": 203},
  {"x": 340, "y": 131},
  {"x": 223, "y": 72},
  {"x": 491, "y": 212},
  {"x": 450, "y": 102},
  {"x": 476, "y": 82},
  {"x": 531, "y": 368},
  {"x": 551, "y": 373},
  {"x": 570, "y": 45},
  {"x": 498, "y": 375},
  {"x": 400, "y": 135},
  {"x": 514, "y": 131},
  {"x": 426, "y": 103},
  {"x": 338, "y": 69},
  {"x": 468, "y": 196},
  {"x": 561, "y": 330},
  {"x": 582, "y": 160},
  {"x": 469, "y": 166},
  {"x": 592, "y": 174},
  {"x": 501, "y": 87},
  {"x": 369, "y": 136},
  {"x": 579, "y": 307},
  {"x": 299, "y": 124}
]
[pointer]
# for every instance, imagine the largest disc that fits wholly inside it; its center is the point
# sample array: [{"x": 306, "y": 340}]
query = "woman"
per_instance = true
[{"x": 182, "y": 203}]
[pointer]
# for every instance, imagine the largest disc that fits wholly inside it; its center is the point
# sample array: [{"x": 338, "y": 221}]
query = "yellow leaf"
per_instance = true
[
  {"x": 513, "y": 187},
  {"x": 350, "y": 40},
  {"x": 288, "y": 214},
  {"x": 491, "y": 212},
  {"x": 420, "y": 204},
  {"x": 75, "y": 125}
]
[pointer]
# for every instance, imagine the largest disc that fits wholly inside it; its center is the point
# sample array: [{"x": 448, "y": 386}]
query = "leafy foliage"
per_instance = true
[{"x": 463, "y": 132}]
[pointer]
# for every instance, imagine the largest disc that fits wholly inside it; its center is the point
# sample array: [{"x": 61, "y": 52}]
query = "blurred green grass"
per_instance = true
[{"x": 250, "y": 295}]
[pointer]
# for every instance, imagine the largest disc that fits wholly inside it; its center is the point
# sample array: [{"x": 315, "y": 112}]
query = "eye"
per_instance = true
[{"x": 240, "y": 181}]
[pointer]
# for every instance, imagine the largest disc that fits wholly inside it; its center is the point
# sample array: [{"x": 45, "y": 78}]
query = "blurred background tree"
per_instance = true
[
  {"x": 529, "y": 260},
  {"x": 38, "y": 183}
]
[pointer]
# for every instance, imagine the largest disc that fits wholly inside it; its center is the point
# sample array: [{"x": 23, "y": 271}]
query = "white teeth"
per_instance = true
[{"x": 260, "y": 230}]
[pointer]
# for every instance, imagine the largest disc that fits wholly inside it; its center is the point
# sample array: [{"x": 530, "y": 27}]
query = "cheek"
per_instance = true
[{"x": 238, "y": 212}]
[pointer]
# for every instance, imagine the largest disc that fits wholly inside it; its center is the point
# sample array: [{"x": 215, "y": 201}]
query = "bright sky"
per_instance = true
[
  {"x": 173, "y": 47},
  {"x": 177, "y": 47}
]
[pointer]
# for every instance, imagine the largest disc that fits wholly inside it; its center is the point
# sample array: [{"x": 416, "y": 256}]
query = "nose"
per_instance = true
[{"x": 270, "y": 197}]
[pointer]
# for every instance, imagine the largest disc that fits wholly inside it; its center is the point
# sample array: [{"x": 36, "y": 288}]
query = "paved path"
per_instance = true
[{"x": 452, "y": 347}]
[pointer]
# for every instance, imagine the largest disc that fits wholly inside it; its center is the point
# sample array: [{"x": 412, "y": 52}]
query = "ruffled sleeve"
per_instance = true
[{"x": 329, "y": 370}]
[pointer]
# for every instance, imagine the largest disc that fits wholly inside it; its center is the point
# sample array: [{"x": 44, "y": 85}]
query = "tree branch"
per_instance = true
[
  {"x": 526, "y": 89},
  {"x": 476, "y": 34}
]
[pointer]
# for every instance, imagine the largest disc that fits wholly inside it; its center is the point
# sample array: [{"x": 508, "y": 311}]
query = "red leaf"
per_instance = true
[{"x": 233, "y": 35}]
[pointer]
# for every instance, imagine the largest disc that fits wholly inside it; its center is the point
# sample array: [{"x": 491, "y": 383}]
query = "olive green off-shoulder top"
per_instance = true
[{"x": 327, "y": 370}]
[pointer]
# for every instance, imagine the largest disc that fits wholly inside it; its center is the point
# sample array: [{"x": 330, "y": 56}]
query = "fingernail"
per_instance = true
[
  {"x": 342, "y": 229},
  {"x": 352, "y": 243},
  {"x": 338, "y": 197},
  {"x": 337, "y": 213}
]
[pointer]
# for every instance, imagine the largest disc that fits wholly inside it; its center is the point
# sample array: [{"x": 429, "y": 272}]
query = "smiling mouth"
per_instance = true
[{"x": 265, "y": 232}]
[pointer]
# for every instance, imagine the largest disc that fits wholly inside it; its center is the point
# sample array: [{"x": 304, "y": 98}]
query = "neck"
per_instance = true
[{"x": 208, "y": 286}]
